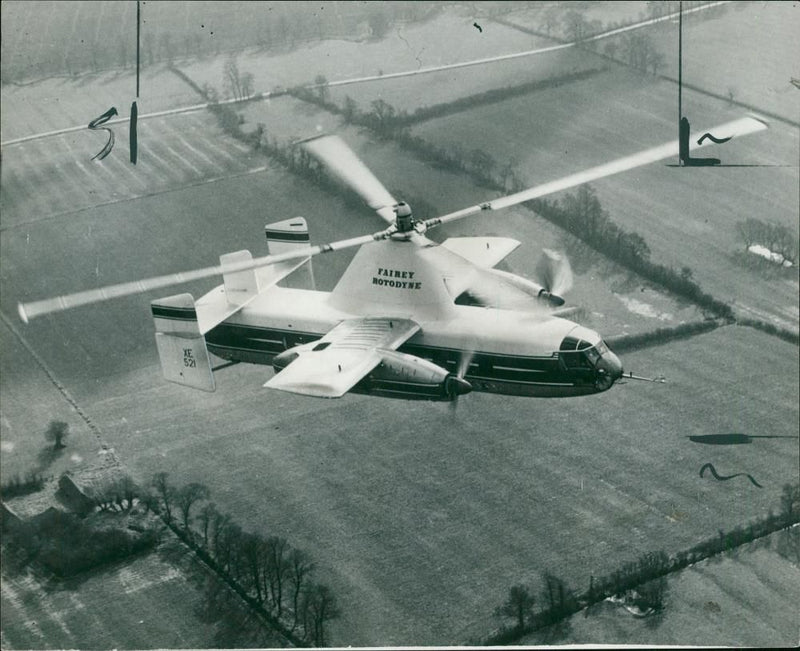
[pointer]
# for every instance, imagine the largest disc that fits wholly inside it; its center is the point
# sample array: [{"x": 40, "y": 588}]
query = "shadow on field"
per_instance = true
[
  {"x": 733, "y": 439},
  {"x": 235, "y": 625},
  {"x": 47, "y": 456}
]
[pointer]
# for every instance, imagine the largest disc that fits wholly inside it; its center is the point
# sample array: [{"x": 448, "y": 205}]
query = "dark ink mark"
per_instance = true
[
  {"x": 683, "y": 148},
  {"x": 718, "y": 141},
  {"x": 732, "y": 439},
  {"x": 479, "y": 28},
  {"x": 134, "y": 145},
  {"x": 95, "y": 124},
  {"x": 727, "y": 477},
  {"x": 138, "y": 40}
]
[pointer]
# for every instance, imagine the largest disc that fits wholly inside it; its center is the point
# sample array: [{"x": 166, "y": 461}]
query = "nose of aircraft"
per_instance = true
[{"x": 609, "y": 370}]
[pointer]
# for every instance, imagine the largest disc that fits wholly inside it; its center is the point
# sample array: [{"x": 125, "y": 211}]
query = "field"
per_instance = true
[
  {"x": 418, "y": 516},
  {"x": 123, "y": 607},
  {"x": 734, "y": 592}
]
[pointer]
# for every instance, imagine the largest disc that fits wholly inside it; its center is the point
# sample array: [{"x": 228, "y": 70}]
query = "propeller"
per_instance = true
[
  {"x": 555, "y": 276},
  {"x": 457, "y": 385},
  {"x": 341, "y": 160}
]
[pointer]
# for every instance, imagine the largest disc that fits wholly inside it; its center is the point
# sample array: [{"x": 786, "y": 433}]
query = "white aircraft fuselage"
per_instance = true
[{"x": 509, "y": 352}]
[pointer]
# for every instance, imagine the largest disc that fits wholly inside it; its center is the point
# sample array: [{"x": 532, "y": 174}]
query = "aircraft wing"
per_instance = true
[
  {"x": 483, "y": 252},
  {"x": 331, "y": 366}
]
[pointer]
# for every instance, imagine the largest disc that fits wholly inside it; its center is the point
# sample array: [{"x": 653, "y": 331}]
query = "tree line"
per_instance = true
[
  {"x": 644, "y": 580},
  {"x": 267, "y": 571},
  {"x": 384, "y": 117}
]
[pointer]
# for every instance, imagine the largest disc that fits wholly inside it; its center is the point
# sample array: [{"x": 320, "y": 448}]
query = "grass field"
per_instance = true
[
  {"x": 419, "y": 517},
  {"x": 420, "y": 527},
  {"x": 734, "y": 592},
  {"x": 154, "y": 601},
  {"x": 747, "y": 48},
  {"x": 64, "y": 102},
  {"x": 450, "y": 37}
]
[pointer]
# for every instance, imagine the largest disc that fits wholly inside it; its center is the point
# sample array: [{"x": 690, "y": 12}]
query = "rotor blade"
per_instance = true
[
  {"x": 342, "y": 162},
  {"x": 28, "y": 311},
  {"x": 740, "y": 127}
]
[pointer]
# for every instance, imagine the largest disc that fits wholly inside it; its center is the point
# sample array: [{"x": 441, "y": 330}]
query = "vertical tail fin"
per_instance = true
[
  {"x": 290, "y": 235},
  {"x": 240, "y": 286},
  {"x": 181, "y": 347}
]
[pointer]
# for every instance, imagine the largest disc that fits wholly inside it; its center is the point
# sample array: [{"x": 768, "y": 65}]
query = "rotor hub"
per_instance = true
[{"x": 404, "y": 219}]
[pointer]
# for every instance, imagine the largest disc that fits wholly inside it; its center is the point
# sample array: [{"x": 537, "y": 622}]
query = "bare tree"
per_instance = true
[
  {"x": 247, "y": 84},
  {"x": 748, "y": 231},
  {"x": 254, "y": 555},
  {"x": 300, "y": 568},
  {"x": 557, "y": 596},
  {"x": 319, "y": 606},
  {"x": 276, "y": 567},
  {"x": 56, "y": 432},
  {"x": 186, "y": 497},
  {"x": 165, "y": 491},
  {"x": 206, "y": 517},
  {"x": 575, "y": 26},
  {"x": 350, "y": 108},
  {"x": 518, "y": 605},
  {"x": 233, "y": 78},
  {"x": 384, "y": 113}
]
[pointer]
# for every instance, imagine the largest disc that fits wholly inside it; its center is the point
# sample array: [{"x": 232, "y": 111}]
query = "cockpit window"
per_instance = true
[
  {"x": 593, "y": 355},
  {"x": 569, "y": 343},
  {"x": 602, "y": 348}
]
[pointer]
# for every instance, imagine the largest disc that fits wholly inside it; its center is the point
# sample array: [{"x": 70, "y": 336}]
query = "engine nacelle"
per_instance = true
[
  {"x": 528, "y": 286},
  {"x": 401, "y": 375}
]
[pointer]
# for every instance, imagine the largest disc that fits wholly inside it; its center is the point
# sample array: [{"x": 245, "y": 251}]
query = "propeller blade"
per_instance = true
[
  {"x": 458, "y": 384},
  {"x": 554, "y": 272},
  {"x": 463, "y": 363},
  {"x": 342, "y": 162},
  {"x": 31, "y": 310},
  {"x": 740, "y": 127}
]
